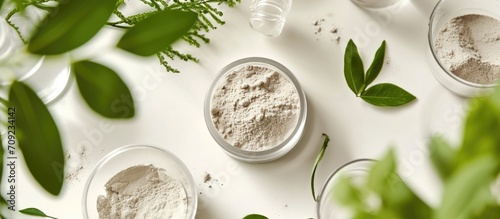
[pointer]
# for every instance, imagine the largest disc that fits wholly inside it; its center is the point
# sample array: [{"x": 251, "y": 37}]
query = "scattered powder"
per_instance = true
[
  {"x": 332, "y": 32},
  {"x": 143, "y": 191},
  {"x": 255, "y": 108},
  {"x": 469, "y": 46}
]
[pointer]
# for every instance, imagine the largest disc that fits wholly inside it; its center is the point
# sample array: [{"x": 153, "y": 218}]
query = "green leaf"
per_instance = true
[
  {"x": 157, "y": 32},
  {"x": 255, "y": 216},
  {"x": 347, "y": 193},
  {"x": 38, "y": 137},
  {"x": 34, "y": 212},
  {"x": 386, "y": 94},
  {"x": 468, "y": 189},
  {"x": 75, "y": 23},
  {"x": 1, "y": 3},
  {"x": 318, "y": 159},
  {"x": 2, "y": 151},
  {"x": 353, "y": 69},
  {"x": 442, "y": 156},
  {"x": 376, "y": 65},
  {"x": 381, "y": 173},
  {"x": 103, "y": 90}
]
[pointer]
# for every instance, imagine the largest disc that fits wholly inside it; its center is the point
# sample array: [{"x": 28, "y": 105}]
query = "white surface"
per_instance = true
[{"x": 169, "y": 110}]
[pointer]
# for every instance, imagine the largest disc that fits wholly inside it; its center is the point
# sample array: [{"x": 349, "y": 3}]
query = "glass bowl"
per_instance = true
[
  {"x": 375, "y": 3},
  {"x": 133, "y": 155},
  {"x": 444, "y": 11},
  {"x": 271, "y": 153},
  {"x": 326, "y": 205}
]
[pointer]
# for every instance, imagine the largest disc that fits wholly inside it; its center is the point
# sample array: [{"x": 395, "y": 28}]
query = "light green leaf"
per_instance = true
[
  {"x": 386, "y": 94},
  {"x": 35, "y": 212},
  {"x": 157, "y": 32},
  {"x": 318, "y": 159},
  {"x": 349, "y": 194},
  {"x": 354, "y": 72},
  {"x": 442, "y": 156},
  {"x": 382, "y": 172},
  {"x": 103, "y": 90},
  {"x": 376, "y": 66},
  {"x": 465, "y": 190},
  {"x": 73, "y": 24},
  {"x": 38, "y": 137},
  {"x": 255, "y": 216}
]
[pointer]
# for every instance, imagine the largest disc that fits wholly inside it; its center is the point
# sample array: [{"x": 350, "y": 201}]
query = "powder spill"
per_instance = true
[
  {"x": 255, "y": 108},
  {"x": 469, "y": 46},
  {"x": 143, "y": 191},
  {"x": 332, "y": 31}
]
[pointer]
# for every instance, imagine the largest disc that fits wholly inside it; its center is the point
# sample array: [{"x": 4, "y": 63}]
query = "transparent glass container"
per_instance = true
[
  {"x": 274, "y": 152},
  {"x": 133, "y": 155},
  {"x": 375, "y": 3},
  {"x": 327, "y": 207},
  {"x": 444, "y": 11},
  {"x": 47, "y": 76},
  {"x": 269, "y": 16}
]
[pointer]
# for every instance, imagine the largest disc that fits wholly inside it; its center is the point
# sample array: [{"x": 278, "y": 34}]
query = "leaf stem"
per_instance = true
[{"x": 318, "y": 159}]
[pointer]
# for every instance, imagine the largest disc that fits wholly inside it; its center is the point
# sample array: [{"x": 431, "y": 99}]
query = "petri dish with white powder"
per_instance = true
[
  {"x": 255, "y": 109},
  {"x": 464, "y": 42},
  {"x": 140, "y": 181}
]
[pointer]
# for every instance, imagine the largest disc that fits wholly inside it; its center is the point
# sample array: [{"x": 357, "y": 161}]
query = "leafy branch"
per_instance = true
[{"x": 208, "y": 17}]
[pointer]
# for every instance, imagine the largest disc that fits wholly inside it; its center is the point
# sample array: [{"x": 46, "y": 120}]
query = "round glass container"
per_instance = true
[
  {"x": 444, "y": 11},
  {"x": 133, "y": 155},
  {"x": 327, "y": 208},
  {"x": 275, "y": 151}
]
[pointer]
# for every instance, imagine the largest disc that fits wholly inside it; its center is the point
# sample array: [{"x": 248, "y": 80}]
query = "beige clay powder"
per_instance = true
[
  {"x": 143, "y": 191},
  {"x": 255, "y": 108}
]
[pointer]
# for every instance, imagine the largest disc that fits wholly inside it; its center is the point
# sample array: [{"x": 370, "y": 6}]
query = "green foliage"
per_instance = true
[
  {"x": 103, "y": 90},
  {"x": 386, "y": 94},
  {"x": 73, "y": 24},
  {"x": 383, "y": 95},
  {"x": 38, "y": 137},
  {"x": 35, "y": 212},
  {"x": 255, "y": 216},
  {"x": 467, "y": 172},
  {"x": 353, "y": 69},
  {"x": 146, "y": 39},
  {"x": 208, "y": 17},
  {"x": 321, "y": 153}
]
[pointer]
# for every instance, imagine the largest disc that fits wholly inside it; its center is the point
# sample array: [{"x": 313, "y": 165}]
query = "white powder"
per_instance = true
[
  {"x": 469, "y": 46},
  {"x": 255, "y": 108},
  {"x": 143, "y": 192}
]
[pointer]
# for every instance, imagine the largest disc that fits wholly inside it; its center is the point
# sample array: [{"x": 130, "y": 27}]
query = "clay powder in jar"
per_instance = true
[
  {"x": 469, "y": 46},
  {"x": 255, "y": 108},
  {"x": 143, "y": 191}
]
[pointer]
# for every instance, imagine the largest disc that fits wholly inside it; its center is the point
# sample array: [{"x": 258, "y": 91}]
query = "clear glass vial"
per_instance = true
[
  {"x": 268, "y": 16},
  {"x": 375, "y": 3}
]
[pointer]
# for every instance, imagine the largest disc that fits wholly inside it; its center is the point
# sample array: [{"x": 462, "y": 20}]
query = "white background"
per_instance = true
[{"x": 170, "y": 110}]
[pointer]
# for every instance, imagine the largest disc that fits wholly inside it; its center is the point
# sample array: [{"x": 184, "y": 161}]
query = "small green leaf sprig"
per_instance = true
[
  {"x": 384, "y": 94},
  {"x": 208, "y": 17}
]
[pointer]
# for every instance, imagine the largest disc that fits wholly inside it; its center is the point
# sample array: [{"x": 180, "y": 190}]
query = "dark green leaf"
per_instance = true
[
  {"x": 376, "y": 66},
  {"x": 255, "y": 216},
  {"x": 354, "y": 72},
  {"x": 318, "y": 159},
  {"x": 442, "y": 156},
  {"x": 72, "y": 25},
  {"x": 2, "y": 201},
  {"x": 37, "y": 137},
  {"x": 467, "y": 190},
  {"x": 156, "y": 32},
  {"x": 1, "y": 3},
  {"x": 103, "y": 90},
  {"x": 34, "y": 212},
  {"x": 491, "y": 212},
  {"x": 386, "y": 94}
]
